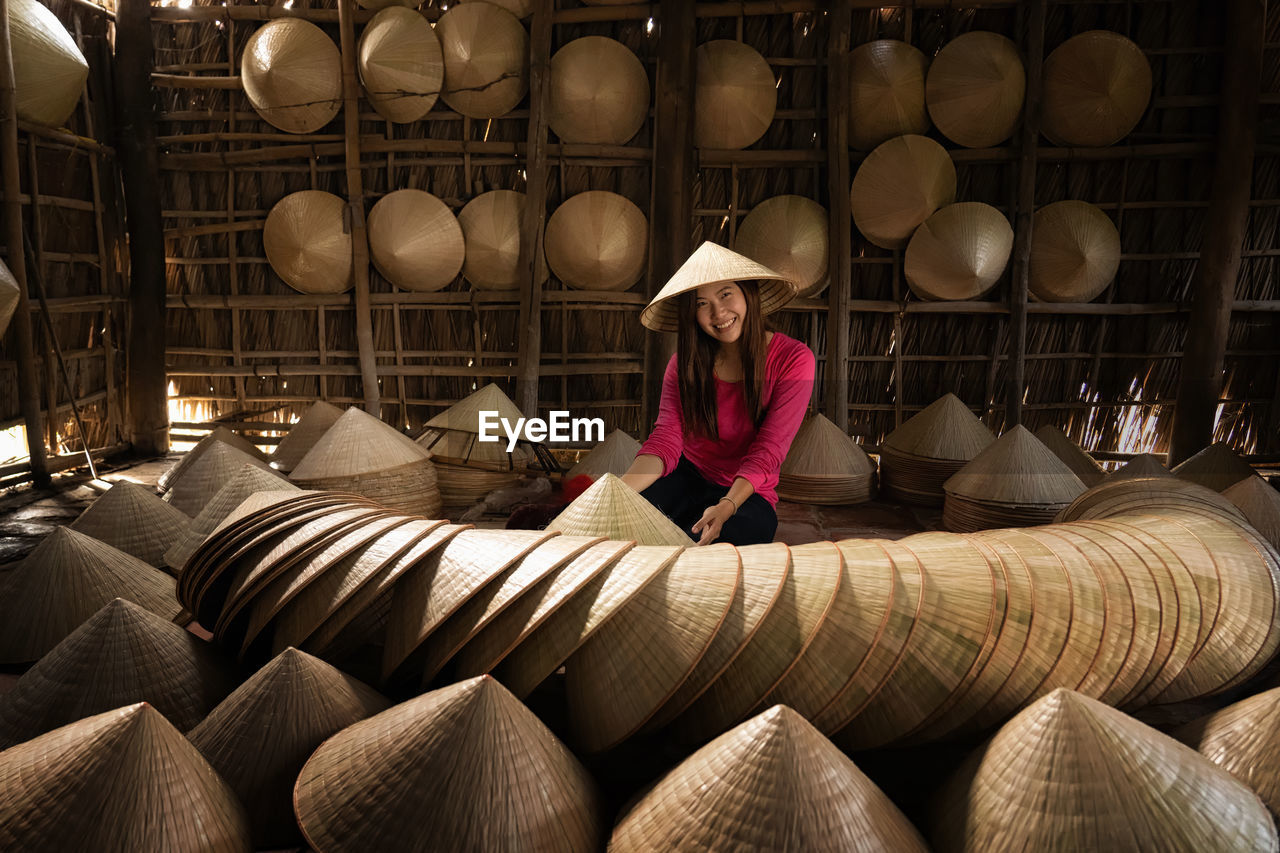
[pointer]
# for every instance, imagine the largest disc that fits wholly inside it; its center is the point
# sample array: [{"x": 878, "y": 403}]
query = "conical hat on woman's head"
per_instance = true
[{"x": 714, "y": 264}]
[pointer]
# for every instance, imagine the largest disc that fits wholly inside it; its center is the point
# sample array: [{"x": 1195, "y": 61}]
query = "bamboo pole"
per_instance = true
[
  {"x": 36, "y": 275},
  {"x": 1226, "y": 226},
  {"x": 355, "y": 203},
  {"x": 28, "y": 390},
  {"x": 531, "y": 228},
  {"x": 839, "y": 30}
]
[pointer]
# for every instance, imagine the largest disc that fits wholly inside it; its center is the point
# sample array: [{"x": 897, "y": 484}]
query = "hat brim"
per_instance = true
[{"x": 713, "y": 264}]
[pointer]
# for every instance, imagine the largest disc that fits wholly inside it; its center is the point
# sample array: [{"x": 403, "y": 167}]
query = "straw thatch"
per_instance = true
[
  {"x": 415, "y": 240},
  {"x": 1075, "y": 252},
  {"x": 711, "y": 264},
  {"x": 121, "y": 780},
  {"x": 120, "y": 655},
  {"x": 597, "y": 240},
  {"x": 198, "y": 482},
  {"x": 220, "y": 435},
  {"x": 1141, "y": 465},
  {"x": 1070, "y": 773},
  {"x": 788, "y": 233},
  {"x": 771, "y": 784},
  {"x": 48, "y": 68},
  {"x": 959, "y": 252},
  {"x": 9, "y": 295},
  {"x": 1082, "y": 464},
  {"x": 249, "y": 480},
  {"x": 486, "y": 59},
  {"x": 735, "y": 95},
  {"x": 613, "y": 456},
  {"x": 308, "y": 244},
  {"x": 898, "y": 186},
  {"x": 491, "y": 230},
  {"x": 1096, "y": 87},
  {"x": 400, "y": 64},
  {"x": 466, "y": 767},
  {"x": 1260, "y": 503},
  {"x": 63, "y": 582},
  {"x": 612, "y": 508},
  {"x": 1243, "y": 739},
  {"x": 886, "y": 92},
  {"x": 133, "y": 519},
  {"x": 292, "y": 74},
  {"x": 1216, "y": 467},
  {"x": 260, "y": 736},
  {"x": 599, "y": 92},
  {"x": 975, "y": 88},
  {"x": 303, "y": 434}
]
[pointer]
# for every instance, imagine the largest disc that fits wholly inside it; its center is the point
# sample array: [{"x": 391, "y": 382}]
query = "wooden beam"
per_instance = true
[
  {"x": 1226, "y": 223},
  {"x": 535, "y": 212},
  {"x": 839, "y": 34}
]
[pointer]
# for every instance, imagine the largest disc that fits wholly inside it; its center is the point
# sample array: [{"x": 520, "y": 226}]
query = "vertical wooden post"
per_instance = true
[
  {"x": 1029, "y": 138},
  {"x": 671, "y": 232},
  {"x": 37, "y": 249},
  {"x": 1214, "y": 285},
  {"x": 840, "y": 28},
  {"x": 148, "y": 421},
  {"x": 535, "y": 212},
  {"x": 355, "y": 204}
]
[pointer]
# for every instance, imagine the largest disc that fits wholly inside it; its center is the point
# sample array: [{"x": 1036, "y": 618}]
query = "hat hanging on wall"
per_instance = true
[
  {"x": 292, "y": 73},
  {"x": 9, "y": 293},
  {"x": 959, "y": 252},
  {"x": 486, "y": 59},
  {"x": 599, "y": 92},
  {"x": 382, "y": 4},
  {"x": 401, "y": 66},
  {"x": 975, "y": 88},
  {"x": 1075, "y": 252},
  {"x": 1096, "y": 88},
  {"x": 306, "y": 243},
  {"x": 491, "y": 225},
  {"x": 886, "y": 92},
  {"x": 48, "y": 68},
  {"x": 415, "y": 240},
  {"x": 735, "y": 97},
  {"x": 788, "y": 233},
  {"x": 519, "y": 8},
  {"x": 899, "y": 185},
  {"x": 597, "y": 240},
  {"x": 714, "y": 264}
]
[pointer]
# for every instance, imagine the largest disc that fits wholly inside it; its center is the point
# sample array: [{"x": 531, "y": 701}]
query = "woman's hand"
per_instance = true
[{"x": 712, "y": 520}]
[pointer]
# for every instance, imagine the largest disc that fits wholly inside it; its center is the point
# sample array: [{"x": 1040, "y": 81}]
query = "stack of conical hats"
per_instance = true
[
  {"x": 1244, "y": 740},
  {"x": 198, "y": 482},
  {"x": 898, "y": 186},
  {"x": 292, "y": 75},
  {"x": 975, "y": 88},
  {"x": 788, "y": 234},
  {"x": 1217, "y": 467},
  {"x": 400, "y": 64},
  {"x": 886, "y": 92},
  {"x": 486, "y": 59},
  {"x": 736, "y": 95},
  {"x": 62, "y": 583},
  {"x": 1070, "y": 773},
  {"x": 250, "y": 479},
  {"x": 261, "y": 735},
  {"x": 120, "y": 655},
  {"x": 363, "y": 455},
  {"x": 1015, "y": 482},
  {"x": 1141, "y": 465},
  {"x": 423, "y": 775},
  {"x": 303, "y": 435},
  {"x": 825, "y": 466},
  {"x": 599, "y": 92},
  {"x": 614, "y": 456},
  {"x": 1260, "y": 503},
  {"x": 1133, "y": 494},
  {"x": 1082, "y": 464},
  {"x": 772, "y": 783},
  {"x": 121, "y": 780},
  {"x": 220, "y": 435},
  {"x": 133, "y": 519},
  {"x": 919, "y": 456},
  {"x": 471, "y": 468},
  {"x": 612, "y": 508}
]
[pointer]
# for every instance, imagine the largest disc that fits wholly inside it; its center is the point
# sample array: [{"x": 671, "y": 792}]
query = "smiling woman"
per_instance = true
[{"x": 733, "y": 397}]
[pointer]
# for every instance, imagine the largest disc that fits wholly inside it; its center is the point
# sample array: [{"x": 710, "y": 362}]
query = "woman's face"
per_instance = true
[{"x": 720, "y": 311}]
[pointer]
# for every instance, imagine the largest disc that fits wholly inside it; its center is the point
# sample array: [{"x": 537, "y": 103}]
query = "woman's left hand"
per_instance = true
[{"x": 713, "y": 518}]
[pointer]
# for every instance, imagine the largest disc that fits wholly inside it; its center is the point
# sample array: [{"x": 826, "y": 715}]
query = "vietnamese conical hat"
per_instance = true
[
  {"x": 1260, "y": 503},
  {"x": 486, "y": 59},
  {"x": 220, "y": 435},
  {"x": 249, "y": 480},
  {"x": 415, "y": 240},
  {"x": 1216, "y": 467},
  {"x": 48, "y": 68},
  {"x": 1017, "y": 469},
  {"x": 260, "y": 736},
  {"x": 821, "y": 448},
  {"x": 400, "y": 64},
  {"x": 788, "y": 233},
  {"x": 886, "y": 92},
  {"x": 1081, "y": 463},
  {"x": 292, "y": 75},
  {"x": 975, "y": 89},
  {"x": 714, "y": 264},
  {"x": 1141, "y": 465},
  {"x": 382, "y": 4},
  {"x": 597, "y": 240},
  {"x": 357, "y": 443},
  {"x": 1075, "y": 252},
  {"x": 64, "y": 581},
  {"x": 613, "y": 509},
  {"x": 959, "y": 252},
  {"x": 465, "y": 415},
  {"x": 308, "y": 243},
  {"x": 945, "y": 429},
  {"x": 466, "y": 767},
  {"x": 1244, "y": 740},
  {"x": 1121, "y": 495},
  {"x": 491, "y": 229},
  {"x": 124, "y": 779},
  {"x": 120, "y": 655},
  {"x": 898, "y": 186},
  {"x": 9, "y": 295},
  {"x": 133, "y": 519},
  {"x": 1096, "y": 87},
  {"x": 303, "y": 434},
  {"x": 599, "y": 92},
  {"x": 735, "y": 95},
  {"x": 1071, "y": 773},
  {"x": 202, "y": 479},
  {"x": 614, "y": 456},
  {"x": 773, "y": 783}
]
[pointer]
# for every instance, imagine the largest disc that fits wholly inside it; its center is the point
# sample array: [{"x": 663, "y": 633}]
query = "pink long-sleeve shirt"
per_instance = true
[{"x": 741, "y": 450}]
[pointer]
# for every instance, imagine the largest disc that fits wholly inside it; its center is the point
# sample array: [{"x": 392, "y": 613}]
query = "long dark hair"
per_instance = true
[{"x": 696, "y": 359}]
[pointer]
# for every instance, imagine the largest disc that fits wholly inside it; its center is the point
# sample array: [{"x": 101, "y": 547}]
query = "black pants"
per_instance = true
[{"x": 684, "y": 495}]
